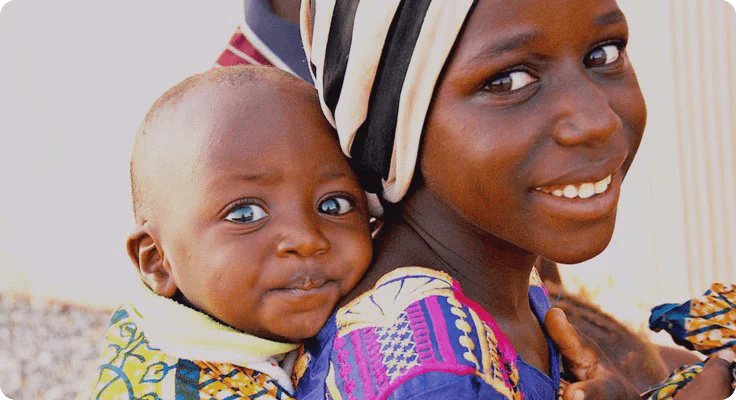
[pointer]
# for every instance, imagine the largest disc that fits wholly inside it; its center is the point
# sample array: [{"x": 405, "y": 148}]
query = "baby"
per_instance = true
[{"x": 250, "y": 227}]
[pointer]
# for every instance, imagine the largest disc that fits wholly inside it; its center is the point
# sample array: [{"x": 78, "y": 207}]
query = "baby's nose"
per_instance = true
[{"x": 302, "y": 238}]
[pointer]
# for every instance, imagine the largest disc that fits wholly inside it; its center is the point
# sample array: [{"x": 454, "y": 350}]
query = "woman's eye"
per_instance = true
[
  {"x": 603, "y": 55},
  {"x": 510, "y": 82},
  {"x": 246, "y": 214},
  {"x": 335, "y": 206}
]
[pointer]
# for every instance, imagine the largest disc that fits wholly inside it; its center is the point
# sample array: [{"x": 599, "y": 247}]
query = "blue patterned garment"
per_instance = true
[{"x": 416, "y": 336}]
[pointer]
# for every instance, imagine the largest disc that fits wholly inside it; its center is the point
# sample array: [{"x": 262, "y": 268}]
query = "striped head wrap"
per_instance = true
[{"x": 375, "y": 64}]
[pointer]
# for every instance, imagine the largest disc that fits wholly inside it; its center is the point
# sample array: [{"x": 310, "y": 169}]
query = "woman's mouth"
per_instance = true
[
  {"x": 578, "y": 190},
  {"x": 580, "y": 201}
]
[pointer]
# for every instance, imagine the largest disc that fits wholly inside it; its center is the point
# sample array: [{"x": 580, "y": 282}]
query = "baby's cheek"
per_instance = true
[{"x": 358, "y": 255}]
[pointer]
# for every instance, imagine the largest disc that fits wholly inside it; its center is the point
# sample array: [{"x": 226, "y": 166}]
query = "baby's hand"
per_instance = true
[{"x": 598, "y": 378}]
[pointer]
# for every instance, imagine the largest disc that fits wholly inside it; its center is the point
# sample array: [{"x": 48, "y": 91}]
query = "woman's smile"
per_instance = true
[
  {"x": 576, "y": 203},
  {"x": 583, "y": 190}
]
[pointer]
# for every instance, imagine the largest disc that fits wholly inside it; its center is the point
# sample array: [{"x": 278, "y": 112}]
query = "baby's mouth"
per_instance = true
[
  {"x": 579, "y": 190},
  {"x": 305, "y": 281},
  {"x": 306, "y": 284}
]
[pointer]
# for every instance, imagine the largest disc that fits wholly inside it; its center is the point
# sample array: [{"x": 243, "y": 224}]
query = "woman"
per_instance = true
[{"x": 495, "y": 132}]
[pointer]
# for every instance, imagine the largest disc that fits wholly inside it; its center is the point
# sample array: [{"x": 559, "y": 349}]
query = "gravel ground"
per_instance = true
[{"x": 48, "y": 350}]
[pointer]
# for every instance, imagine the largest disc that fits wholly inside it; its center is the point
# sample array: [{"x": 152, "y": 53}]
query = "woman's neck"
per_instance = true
[
  {"x": 286, "y": 9},
  {"x": 491, "y": 271}
]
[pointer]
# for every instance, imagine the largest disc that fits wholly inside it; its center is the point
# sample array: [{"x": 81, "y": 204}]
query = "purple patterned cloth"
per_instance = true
[{"x": 416, "y": 336}]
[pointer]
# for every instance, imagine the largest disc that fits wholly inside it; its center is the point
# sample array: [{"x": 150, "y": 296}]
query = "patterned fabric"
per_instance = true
[
  {"x": 375, "y": 65},
  {"x": 681, "y": 377},
  {"x": 130, "y": 367},
  {"x": 265, "y": 39},
  {"x": 415, "y": 335},
  {"x": 240, "y": 51},
  {"x": 706, "y": 324}
]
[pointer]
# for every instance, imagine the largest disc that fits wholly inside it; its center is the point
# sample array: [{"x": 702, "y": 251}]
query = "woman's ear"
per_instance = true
[{"x": 150, "y": 263}]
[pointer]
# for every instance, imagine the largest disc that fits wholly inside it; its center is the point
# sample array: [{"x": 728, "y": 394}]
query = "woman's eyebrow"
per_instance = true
[
  {"x": 502, "y": 46},
  {"x": 610, "y": 18},
  {"x": 512, "y": 43}
]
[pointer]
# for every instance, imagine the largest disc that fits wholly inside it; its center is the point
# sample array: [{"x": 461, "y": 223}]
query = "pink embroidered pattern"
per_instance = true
[
  {"x": 363, "y": 363},
  {"x": 416, "y": 322},
  {"x": 374, "y": 352},
  {"x": 421, "y": 333},
  {"x": 345, "y": 368}
]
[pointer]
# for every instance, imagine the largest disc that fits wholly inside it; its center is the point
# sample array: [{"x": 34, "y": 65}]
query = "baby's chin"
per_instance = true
[
  {"x": 292, "y": 315},
  {"x": 296, "y": 328},
  {"x": 279, "y": 326}
]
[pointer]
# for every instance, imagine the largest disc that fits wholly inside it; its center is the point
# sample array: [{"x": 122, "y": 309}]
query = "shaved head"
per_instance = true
[
  {"x": 242, "y": 194},
  {"x": 177, "y": 126}
]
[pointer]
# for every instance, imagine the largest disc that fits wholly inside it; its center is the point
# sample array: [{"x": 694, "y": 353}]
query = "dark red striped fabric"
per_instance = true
[{"x": 241, "y": 43}]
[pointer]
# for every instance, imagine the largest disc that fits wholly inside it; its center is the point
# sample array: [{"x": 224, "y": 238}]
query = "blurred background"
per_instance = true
[{"x": 76, "y": 78}]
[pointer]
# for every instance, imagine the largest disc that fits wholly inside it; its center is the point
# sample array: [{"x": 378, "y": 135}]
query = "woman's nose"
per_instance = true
[
  {"x": 584, "y": 115},
  {"x": 302, "y": 237}
]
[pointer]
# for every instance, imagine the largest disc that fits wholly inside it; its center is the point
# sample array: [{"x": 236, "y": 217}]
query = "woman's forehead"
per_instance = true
[
  {"x": 540, "y": 16},
  {"x": 497, "y": 27}
]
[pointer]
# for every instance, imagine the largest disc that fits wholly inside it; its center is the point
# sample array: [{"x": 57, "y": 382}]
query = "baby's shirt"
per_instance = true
[{"x": 157, "y": 348}]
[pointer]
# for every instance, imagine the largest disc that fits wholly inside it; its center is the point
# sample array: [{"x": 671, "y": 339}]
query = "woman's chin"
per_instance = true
[{"x": 576, "y": 254}]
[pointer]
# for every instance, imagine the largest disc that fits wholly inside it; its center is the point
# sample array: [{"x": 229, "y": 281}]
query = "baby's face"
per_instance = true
[{"x": 272, "y": 228}]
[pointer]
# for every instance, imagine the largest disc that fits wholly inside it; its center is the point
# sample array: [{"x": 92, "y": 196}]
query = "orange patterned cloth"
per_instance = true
[{"x": 706, "y": 324}]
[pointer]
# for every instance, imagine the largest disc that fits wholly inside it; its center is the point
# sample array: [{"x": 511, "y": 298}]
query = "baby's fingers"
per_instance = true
[{"x": 714, "y": 382}]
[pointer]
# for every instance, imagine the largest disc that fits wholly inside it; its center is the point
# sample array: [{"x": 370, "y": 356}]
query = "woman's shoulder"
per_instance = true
[
  {"x": 414, "y": 329},
  {"x": 391, "y": 296}
]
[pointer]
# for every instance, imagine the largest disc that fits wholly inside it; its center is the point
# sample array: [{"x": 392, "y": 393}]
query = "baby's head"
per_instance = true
[{"x": 246, "y": 209}]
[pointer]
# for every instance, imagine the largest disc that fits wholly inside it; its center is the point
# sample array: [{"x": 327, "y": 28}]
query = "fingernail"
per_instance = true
[
  {"x": 728, "y": 355},
  {"x": 579, "y": 395}
]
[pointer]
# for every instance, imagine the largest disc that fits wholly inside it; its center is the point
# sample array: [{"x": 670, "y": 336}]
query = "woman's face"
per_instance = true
[{"x": 535, "y": 122}]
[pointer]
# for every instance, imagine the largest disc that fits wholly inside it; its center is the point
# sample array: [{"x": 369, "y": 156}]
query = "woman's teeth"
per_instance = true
[{"x": 582, "y": 190}]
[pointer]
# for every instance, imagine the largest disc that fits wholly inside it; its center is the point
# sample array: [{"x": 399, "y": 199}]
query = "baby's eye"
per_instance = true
[
  {"x": 509, "y": 82},
  {"x": 335, "y": 206},
  {"x": 603, "y": 55},
  {"x": 246, "y": 214}
]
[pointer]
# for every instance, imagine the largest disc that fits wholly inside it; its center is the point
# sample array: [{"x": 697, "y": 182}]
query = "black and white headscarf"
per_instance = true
[{"x": 375, "y": 64}]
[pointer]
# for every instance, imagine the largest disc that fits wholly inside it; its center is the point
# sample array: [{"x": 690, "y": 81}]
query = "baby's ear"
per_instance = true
[{"x": 150, "y": 263}]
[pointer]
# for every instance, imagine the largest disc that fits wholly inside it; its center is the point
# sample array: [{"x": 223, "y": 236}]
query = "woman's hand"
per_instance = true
[
  {"x": 598, "y": 378},
  {"x": 715, "y": 381}
]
